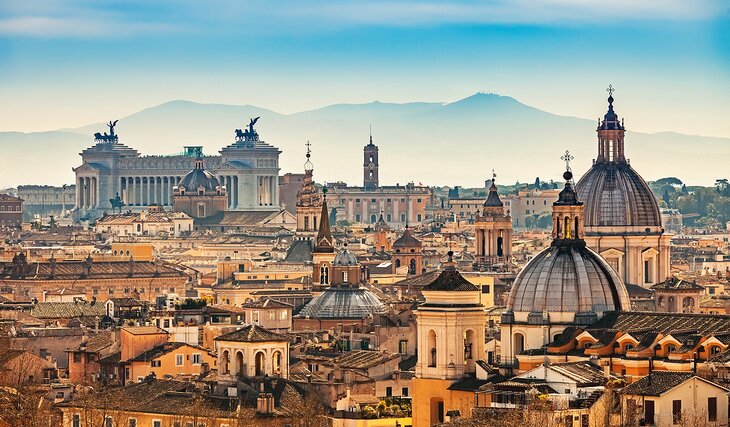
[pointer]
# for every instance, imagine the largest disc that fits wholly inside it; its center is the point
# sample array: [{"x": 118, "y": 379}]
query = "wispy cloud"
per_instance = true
[{"x": 111, "y": 18}]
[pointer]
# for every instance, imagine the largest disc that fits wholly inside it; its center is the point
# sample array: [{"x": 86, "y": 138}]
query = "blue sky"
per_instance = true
[{"x": 73, "y": 62}]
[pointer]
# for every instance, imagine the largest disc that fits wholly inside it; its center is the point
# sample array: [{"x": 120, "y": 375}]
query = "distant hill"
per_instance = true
[{"x": 437, "y": 144}]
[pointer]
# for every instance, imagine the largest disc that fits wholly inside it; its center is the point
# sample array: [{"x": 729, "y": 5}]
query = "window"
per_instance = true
[
  {"x": 156, "y": 363},
  {"x": 197, "y": 359},
  {"x": 485, "y": 289},
  {"x": 156, "y": 423},
  {"x": 403, "y": 346},
  {"x": 108, "y": 422},
  {"x": 255, "y": 317},
  {"x": 711, "y": 409},
  {"x": 419, "y": 217},
  {"x": 77, "y": 357},
  {"x": 419, "y": 200},
  {"x": 404, "y": 392},
  {"x": 272, "y": 315},
  {"x": 676, "y": 411},
  {"x": 179, "y": 360},
  {"x": 132, "y": 422},
  {"x": 649, "y": 412},
  {"x": 76, "y": 421},
  {"x": 284, "y": 315},
  {"x": 388, "y": 391},
  {"x": 344, "y": 276}
]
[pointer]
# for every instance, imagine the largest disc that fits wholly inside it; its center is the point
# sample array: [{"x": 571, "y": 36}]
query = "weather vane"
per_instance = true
[
  {"x": 567, "y": 157},
  {"x": 610, "y": 90}
]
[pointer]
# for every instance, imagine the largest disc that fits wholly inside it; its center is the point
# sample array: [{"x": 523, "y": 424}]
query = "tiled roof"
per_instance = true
[
  {"x": 97, "y": 342},
  {"x": 144, "y": 330},
  {"x": 300, "y": 251},
  {"x": 266, "y": 303},
  {"x": 419, "y": 280},
  {"x": 252, "y": 333},
  {"x": 657, "y": 383},
  {"x": 583, "y": 373},
  {"x": 450, "y": 280},
  {"x": 160, "y": 350},
  {"x": 67, "y": 310},
  {"x": 468, "y": 384},
  {"x": 674, "y": 283},
  {"x": 74, "y": 270},
  {"x": 364, "y": 359},
  {"x": 238, "y": 218},
  {"x": 627, "y": 321}
]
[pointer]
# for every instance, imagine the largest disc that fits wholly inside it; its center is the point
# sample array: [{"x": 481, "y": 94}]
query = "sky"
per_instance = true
[{"x": 69, "y": 63}]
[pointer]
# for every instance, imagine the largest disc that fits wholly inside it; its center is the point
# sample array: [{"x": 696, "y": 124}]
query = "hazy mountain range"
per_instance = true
[{"x": 437, "y": 144}]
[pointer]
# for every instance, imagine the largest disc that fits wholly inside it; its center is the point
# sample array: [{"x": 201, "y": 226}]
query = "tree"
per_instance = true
[{"x": 303, "y": 411}]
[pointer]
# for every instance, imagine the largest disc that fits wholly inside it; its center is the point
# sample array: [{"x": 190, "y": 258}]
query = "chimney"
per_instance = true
[
  {"x": 87, "y": 265},
  {"x": 607, "y": 371},
  {"x": 265, "y": 404}
]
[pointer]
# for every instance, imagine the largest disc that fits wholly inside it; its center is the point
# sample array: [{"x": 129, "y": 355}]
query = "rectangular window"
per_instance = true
[
  {"x": 357, "y": 218},
  {"x": 76, "y": 422},
  {"x": 197, "y": 359},
  {"x": 255, "y": 317},
  {"x": 155, "y": 363},
  {"x": 372, "y": 200},
  {"x": 404, "y": 392},
  {"x": 403, "y": 346},
  {"x": 156, "y": 423},
  {"x": 388, "y": 391},
  {"x": 388, "y": 218},
  {"x": 387, "y": 200},
  {"x": 179, "y": 360},
  {"x": 132, "y": 422},
  {"x": 676, "y": 411},
  {"x": 402, "y": 217},
  {"x": 419, "y": 217},
  {"x": 712, "y": 409},
  {"x": 419, "y": 200},
  {"x": 108, "y": 422},
  {"x": 77, "y": 357},
  {"x": 284, "y": 314},
  {"x": 272, "y": 315},
  {"x": 485, "y": 289}
]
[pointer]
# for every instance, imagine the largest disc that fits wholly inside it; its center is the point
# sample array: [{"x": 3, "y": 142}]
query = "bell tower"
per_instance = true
[
  {"x": 493, "y": 229},
  {"x": 308, "y": 200},
  {"x": 370, "y": 165},
  {"x": 568, "y": 210}
]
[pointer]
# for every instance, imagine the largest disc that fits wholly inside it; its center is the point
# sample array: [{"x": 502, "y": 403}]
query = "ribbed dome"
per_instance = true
[
  {"x": 615, "y": 195},
  {"x": 343, "y": 303},
  {"x": 199, "y": 177},
  {"x": 568, "y": 277},
  {"x": 345, "y": 258}
]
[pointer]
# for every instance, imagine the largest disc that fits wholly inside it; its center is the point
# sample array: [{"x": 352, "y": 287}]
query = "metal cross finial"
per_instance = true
[
  {"x": 610, "y": 90},
  {"x": 567, "y": 157},
  {"x": 308, "y": 144}
]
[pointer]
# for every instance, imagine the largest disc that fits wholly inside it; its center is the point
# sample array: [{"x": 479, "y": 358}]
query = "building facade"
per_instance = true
[
  {"x": 248, "y": 169},
  {"x": 47, "y": 199},
  {"x": 400, "y": 204},
  {"x": 11, "y": 211}
]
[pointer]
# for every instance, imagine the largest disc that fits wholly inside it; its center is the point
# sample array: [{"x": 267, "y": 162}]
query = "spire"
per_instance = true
[
  {"x": 493, "y": 200},
  {"x": 610, "y": 119},
  {"x": 324, "y": 242},
  {"x": 371, "y": 135},
  {"x": 308, "y": 166}
]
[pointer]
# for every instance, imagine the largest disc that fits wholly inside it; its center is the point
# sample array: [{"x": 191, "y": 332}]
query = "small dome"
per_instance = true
[
  {"x": 615, "y": 195},
  {"x": 568, "y": 277},
  {"x": 345, "y": 258},
  {"x": 199, "y": 177},
  {"x": 407, "y": 241}
]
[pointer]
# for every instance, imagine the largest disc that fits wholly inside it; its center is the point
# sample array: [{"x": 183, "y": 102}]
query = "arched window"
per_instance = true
[
  {"x": 575, "y": 230},
  {"x": 432, "y": 346},
  {"x": 224, "y": 362},
  {"x": 500, "y": 249},
  {"x": 567, "y": 227},
  {"x": 260, "y": 363},
  {"x": 518, "y": 343},
  {"x": 468, "y": 342},
  {"x": 239, "y": 363},
  {"x": 276, "y": 361},
  {"x": 715, "y": 349},
  {"x": 397, "y": 263},
  {"x": 324, "y": 275},
  {"x": 412, "y": 267}
]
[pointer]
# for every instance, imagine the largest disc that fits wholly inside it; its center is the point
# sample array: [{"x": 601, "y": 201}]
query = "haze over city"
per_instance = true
[{"x": 364, "y": 213}]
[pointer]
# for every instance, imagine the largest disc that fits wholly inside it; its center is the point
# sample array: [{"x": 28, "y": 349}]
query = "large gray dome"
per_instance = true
[
  {"x": 615, "y": 195},
  {"x": 568, "y": 277},
  {"x": 343, "y": 303}
]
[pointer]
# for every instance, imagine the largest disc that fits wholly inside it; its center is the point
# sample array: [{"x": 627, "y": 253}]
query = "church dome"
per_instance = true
[
  {"x": 345, "y": 258},
  {"x": 343, "y": 303},
  {"x": 199, "y": 177},
  {"x": 568, "y": 277},
  {"x": 615, "y": 195}
]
